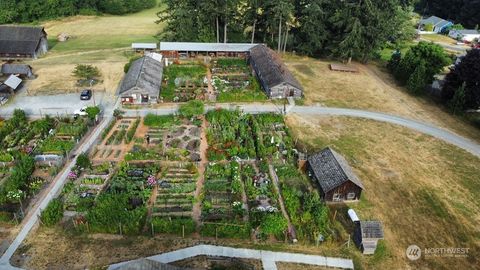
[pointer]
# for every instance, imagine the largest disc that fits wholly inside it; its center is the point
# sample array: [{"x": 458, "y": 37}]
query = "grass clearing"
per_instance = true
[
  {"x": 103, "y": 41},
  {"x": 374, "y": 89},
  {"x": 439, "y": 38},
  {"x": 419, "y": 187}
]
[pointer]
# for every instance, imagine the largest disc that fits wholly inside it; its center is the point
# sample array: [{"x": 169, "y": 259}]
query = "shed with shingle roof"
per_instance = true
[
  {"x": 147, "y": 264},
  {"x": 142, "y": 82},
  {"x": 18, "y": 42},
  {"x": 276, "y": 80},
  {"x": 17, "y": 69},
  {"x": 367, "y": 234},
  {"x": 335, "y": 178}
]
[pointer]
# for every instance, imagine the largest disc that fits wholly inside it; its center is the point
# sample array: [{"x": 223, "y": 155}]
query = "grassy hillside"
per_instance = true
[{"x": 423, "y": 190}]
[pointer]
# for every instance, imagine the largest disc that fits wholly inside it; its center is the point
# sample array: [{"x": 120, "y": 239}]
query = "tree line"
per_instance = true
[
  {"x": 465, "y": 12},
  {"x": 17, "y": 11},
  {"x": 342, "y": 28}
]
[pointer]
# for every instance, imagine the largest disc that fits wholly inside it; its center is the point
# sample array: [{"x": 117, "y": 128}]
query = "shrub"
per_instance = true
[
  {"x": 87, "y": 72},
  {"x": 92, "y": 112},
  {"x": 192, "y": 108},
  {"x": 53, "y": 213},
  {"x": 428, "y": 27},
  {"x": 83, "y": 161}
]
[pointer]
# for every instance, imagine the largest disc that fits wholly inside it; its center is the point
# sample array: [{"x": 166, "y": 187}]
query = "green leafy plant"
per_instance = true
[{"x": 53, "y": 213}]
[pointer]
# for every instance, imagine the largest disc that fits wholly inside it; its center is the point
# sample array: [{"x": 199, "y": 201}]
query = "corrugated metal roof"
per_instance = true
[
  {"x": 206, "y": 47},
  {"x": 13, "y": 82},
  {"x": 144, "y": 45}
]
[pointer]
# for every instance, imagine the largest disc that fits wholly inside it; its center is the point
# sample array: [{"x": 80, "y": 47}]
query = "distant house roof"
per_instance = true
[
  {"x": 205, "y": 47},
  {"x": 468, "y": 32},
  {"x": 13, "y": 82},
  {"x": 371, "y": 229},
  {"x": 152, "y": 46},
  {"x": 271, "y": 67},
  {"x": 147, "y": 264},
  {"x": 435, "y": 21},
  {"x": 332, "y": 170},
  {"x": 20, "y": 39},
  {"x": 16, "y": 69},
  {"x": 146, "y": 74}
]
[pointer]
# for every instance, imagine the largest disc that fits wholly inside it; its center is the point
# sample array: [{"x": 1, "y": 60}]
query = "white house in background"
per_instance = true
[
  {"x": 439, "y": 24},
  {"x": 466, "y": 35}
]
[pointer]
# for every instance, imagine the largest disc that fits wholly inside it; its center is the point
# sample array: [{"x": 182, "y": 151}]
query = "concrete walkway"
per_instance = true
[{"x": 268, "y": 258}]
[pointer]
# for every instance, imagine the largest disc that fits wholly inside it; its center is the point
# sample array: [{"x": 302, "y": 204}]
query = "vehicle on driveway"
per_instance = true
[
  {"x": 86, "y": 94},
  {"x": 80, "y": 112}
]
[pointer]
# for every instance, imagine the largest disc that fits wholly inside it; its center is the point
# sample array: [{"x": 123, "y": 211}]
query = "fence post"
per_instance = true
[
  {"x": 183, "y": 231},
  {"x": 120, "y": 226},
  {"x": 153, "y": 232},
  {"x": 216, "y": 233}
]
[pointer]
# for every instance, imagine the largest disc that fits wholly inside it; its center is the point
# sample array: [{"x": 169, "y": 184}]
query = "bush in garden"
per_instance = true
[
  {"x": 173, "y": 225},
  {"x": 53, "y": 213},
  {"x": 83, "y": 161},
  {"x": 114, "y": 210},
  {"x": 160, "y": 121},
  {"x": 191, "y": 109},
  {"x": 92, "y": 112},
  {"x": 274, "y": 224}
]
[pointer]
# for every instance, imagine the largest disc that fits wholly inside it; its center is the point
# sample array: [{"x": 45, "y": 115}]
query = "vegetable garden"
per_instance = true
[{"x": 184, "y": 82}]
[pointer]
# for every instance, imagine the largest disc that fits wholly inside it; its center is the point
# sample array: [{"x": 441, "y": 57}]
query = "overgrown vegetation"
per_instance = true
[{"x": 53, "y": 213}]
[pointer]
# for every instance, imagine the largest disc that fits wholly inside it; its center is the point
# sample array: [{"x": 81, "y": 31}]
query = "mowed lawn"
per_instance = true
[
  {"x": 423, "y": 190},
  {"x": 371, "y": 89},
  {"x": 103, "y": 41}
]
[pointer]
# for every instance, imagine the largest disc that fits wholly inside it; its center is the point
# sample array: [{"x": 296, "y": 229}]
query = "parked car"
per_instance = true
[
  {"x": 80, "y": 112},
  {"x": 86, "y": 94}
]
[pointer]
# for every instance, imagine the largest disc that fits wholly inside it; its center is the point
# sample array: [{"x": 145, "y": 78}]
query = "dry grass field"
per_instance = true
[
  {"x": 103, "y": 41},
  {"x": 371, "y": 89},
  {"x": 424, "y": 191}
]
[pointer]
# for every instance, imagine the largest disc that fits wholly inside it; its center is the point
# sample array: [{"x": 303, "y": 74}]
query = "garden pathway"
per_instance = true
[
  {"x": 268, "y": 258},
  {"x": 197, "y": 207},
  {"x": 291, "y": 228}
]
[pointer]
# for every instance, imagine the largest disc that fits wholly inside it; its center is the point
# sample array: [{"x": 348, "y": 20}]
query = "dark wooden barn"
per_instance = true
[
  {"x": 19, "y": 42},
  {"x": 335, "y": 178},
  {"x": 276, "y": 80},
  {"x": 23, "y": 71}
]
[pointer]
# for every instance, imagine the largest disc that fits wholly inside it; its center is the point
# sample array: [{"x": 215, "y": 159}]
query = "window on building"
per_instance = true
[
  {"x": 337, "y": 197},
  {"x": 351, "y": 196}
]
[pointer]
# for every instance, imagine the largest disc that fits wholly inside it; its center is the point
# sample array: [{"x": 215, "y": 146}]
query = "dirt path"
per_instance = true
[
  {"x": 197, "y": 207},
  {"x": 211, "y": 91},
  {"x": 291, "y": 228},
  {"x": 150, "y": 205},
  {"x": 244, "y": 200}
]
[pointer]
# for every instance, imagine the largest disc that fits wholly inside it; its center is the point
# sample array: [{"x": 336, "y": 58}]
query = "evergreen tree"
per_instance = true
[
  {"x": 457, "y": 104},
  {"x": 416, "y": 82}
]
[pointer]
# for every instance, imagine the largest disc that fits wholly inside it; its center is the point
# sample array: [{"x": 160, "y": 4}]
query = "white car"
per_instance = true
[{"x": 80, "y": 112}]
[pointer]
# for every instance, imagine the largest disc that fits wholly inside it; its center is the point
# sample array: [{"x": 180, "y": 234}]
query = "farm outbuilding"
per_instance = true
[
  {"x": 19, "y": 42},
  {"x": 335, "y": 178},
  {"x": 13, "y": 82},
  {"x": 367, "y": 234},
  {"x": 141, "y": 84},
  {"x": 194, "y": 49},
  {"x": 276, "y": 80},
  {"x": 20, "y": 70},
  {"x": 144, "y": 46}
]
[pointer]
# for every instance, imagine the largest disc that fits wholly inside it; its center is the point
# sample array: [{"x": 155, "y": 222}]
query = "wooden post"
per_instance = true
[
  {"x": 153, "y": 231},
  {"x": 183, "y": 231},
  {"x": 88, "y": 227},
  {"x": 216, "y": 233},
  {"x": 335, "y": 214},
  {"x": 120, "y": 226}
]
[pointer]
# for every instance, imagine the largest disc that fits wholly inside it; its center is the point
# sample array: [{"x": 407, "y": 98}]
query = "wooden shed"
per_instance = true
[
  {"x": 19, "y": 42},
  {"x": 335, "y": 178},
  {"x": 276, "y": 80},
  {"x": 21, "y": 70},
  {"x": 367, "y": 234}
]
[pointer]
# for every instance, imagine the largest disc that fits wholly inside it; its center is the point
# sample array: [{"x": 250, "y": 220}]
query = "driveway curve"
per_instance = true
[{"x": 422, "y": 127}]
